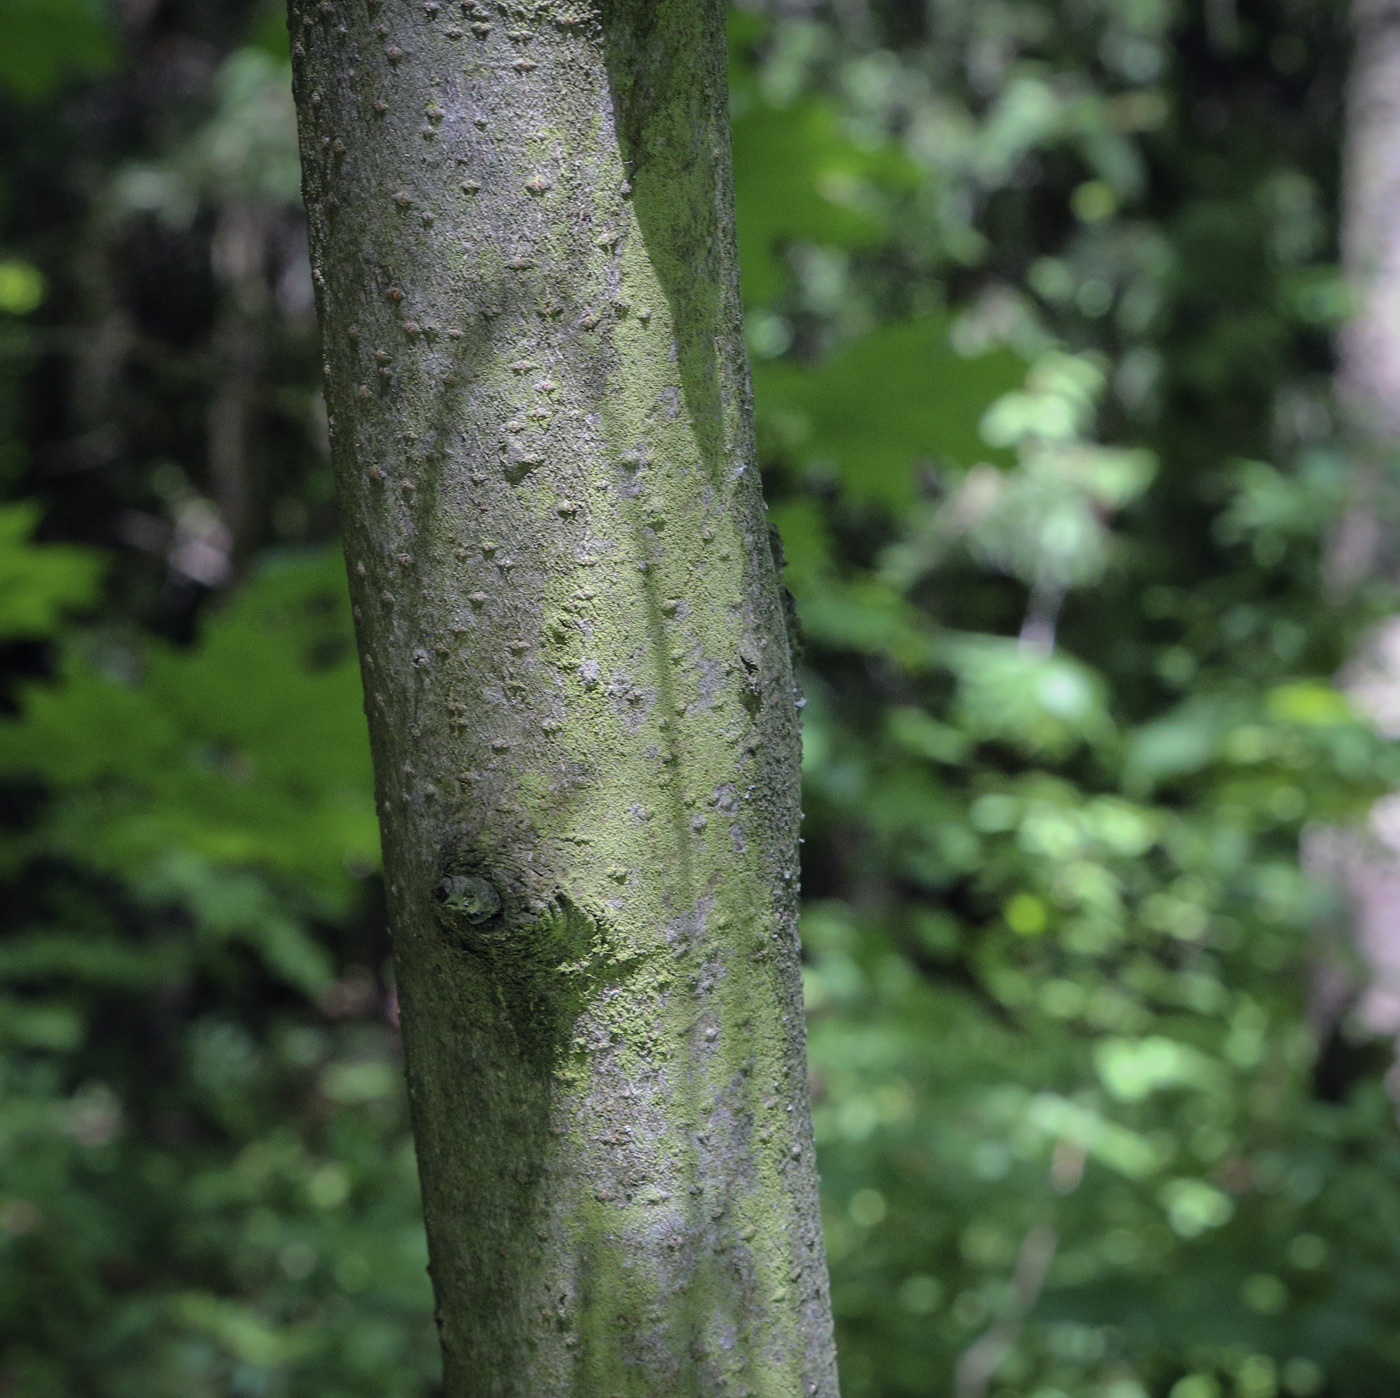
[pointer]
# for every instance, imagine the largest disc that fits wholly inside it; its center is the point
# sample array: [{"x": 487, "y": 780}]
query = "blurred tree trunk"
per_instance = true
[
  {"x": 578, "y": 684},
  {"x": 239, "y": 255},
  {"x": 1369, "y": 377},
  {"x": 1367, "y": 863}
]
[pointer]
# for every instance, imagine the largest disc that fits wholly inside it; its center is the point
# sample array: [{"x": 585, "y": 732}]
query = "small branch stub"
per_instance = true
[{"x": 470, "y": 898}]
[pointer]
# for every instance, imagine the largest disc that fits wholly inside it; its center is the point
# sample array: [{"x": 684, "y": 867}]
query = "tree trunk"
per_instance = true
[
  {"x": 1364, "y": 972},
  {"x": 578, "y": 683},
  {"x": 1368, "y": 380}
]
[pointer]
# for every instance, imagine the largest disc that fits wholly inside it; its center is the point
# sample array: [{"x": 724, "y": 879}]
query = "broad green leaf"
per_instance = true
[
  {"x": 878, "y": 409},
  {"x": 247, "y": 750},
  {"x": 799, "y": 178},
  {"x": 38, "y": 582}
]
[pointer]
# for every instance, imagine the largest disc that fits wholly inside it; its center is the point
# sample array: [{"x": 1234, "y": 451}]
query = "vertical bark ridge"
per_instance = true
[{"x": 578, "y": 684}]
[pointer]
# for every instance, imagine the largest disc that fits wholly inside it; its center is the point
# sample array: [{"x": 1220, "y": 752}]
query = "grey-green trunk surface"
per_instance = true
[{"x": 578, "y": 682}]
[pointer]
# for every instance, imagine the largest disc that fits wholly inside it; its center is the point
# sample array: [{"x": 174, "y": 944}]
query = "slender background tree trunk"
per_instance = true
[
  {"x": 578, "y": 683},
  {"x": 1367, "y": 863},
  {"x": 1369, "y": 373}
]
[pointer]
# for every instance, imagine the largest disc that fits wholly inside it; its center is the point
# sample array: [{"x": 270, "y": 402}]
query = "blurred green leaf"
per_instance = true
[
  {"x": 1041, "y": 703},
  {"x": 800, "y": 178},
  {"x": 21, "y": 287},
  {"x": 247, "y": 751},
  {"x": 876, "y": 410},
  {"x": 39, "y": 582},
  {"x": 47, "y": 41}
]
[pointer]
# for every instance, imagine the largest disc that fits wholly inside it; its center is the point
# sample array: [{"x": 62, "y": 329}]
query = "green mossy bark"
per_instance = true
[{"x": 578, "y": 684}]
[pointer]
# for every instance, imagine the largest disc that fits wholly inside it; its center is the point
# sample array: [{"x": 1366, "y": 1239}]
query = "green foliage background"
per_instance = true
[{"x": 1041, "y": 298}]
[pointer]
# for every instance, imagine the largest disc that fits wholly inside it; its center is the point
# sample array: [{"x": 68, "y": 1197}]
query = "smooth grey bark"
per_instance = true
[
  {"x": 1368, "y": 379},
  {"x": 578, "y": 683},
  {"x": 1365, "y": 970}
]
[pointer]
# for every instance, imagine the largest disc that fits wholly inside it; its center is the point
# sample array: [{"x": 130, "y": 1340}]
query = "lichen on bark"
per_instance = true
[{"x": 578, "y": 684}]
